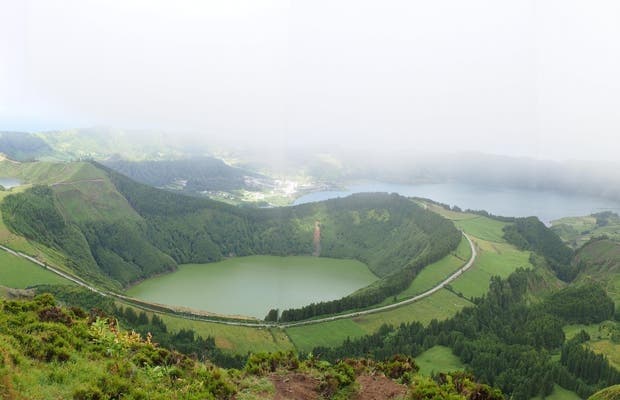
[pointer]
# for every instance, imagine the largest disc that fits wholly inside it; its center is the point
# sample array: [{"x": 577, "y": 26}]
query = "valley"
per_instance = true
[{"x": 87, "y": 196}]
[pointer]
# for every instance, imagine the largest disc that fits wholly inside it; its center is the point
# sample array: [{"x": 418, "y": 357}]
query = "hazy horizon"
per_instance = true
[{"x": 533, "y": 79}]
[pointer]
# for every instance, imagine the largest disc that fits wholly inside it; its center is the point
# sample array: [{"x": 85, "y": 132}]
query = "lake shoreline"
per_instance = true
[{"x": 252, "y": 285}]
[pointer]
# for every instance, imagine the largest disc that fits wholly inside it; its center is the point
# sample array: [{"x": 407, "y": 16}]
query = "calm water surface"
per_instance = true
[
  {"x": 253, "y": 285},
  {"x": 546, "y": 205},
  {"x": 9, "y": 183}
]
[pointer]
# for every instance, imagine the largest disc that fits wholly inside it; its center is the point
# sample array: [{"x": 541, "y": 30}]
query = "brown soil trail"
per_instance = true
[
  {"x": 6, "y": 383},
  {"x": 379, "y": 388},
  {"x": 80, "y": 181},
  {"x": 317, "y": 239},
  {"x": 295, "y": 387}
]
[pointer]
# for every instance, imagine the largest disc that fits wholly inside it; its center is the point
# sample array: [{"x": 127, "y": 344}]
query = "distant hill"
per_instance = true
[
  {"x": 23, "y": 146},
  {"x": 576, "y": 231},
  {"x": 193, "y": 175},
  {"x": 102, "y": 143}
]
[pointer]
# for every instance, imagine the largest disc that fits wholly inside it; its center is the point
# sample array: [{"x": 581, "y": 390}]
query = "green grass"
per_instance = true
[
  {"x": 433, "y": 274},
  {"x": 18, "y": 273},
  {"x": 576, "y": 231},
  {"x": 495, "y": 257},
  {"x": 441, "y": 305},
  {"x": 602, "y": 260},
  {"x": 331, "y": 333},
  {"x": 483, "y": 228},
  {"x": 40, "y": 172},
  {"x": 449, "y": 214},
  {"x": 83, "y": 190},
  {"x": 500, "y": 259},
  {"x": 86, "y": 194},
  {"x": 236, "y": 339},
  {"x": 559, "y": 393},
  {"x": 438, "y": 359},
  {"x": 600, "y": 339},
  {"x": 610, "y": 393}
]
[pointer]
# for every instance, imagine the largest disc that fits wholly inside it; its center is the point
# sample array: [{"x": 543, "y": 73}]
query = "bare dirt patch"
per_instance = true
[
  {"x": 295, "y": 387},
  {"x": 379, "y": 388}
]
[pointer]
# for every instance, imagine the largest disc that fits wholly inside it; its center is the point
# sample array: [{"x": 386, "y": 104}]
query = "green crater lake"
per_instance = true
[{"x": 253, "y": 285}]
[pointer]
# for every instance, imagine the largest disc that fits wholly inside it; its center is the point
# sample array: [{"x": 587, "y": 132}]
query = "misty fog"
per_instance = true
[{"x": 520, "y": 78}]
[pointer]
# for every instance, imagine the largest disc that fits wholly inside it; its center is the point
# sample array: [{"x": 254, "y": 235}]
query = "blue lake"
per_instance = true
[{"x": 546, "y": 205}]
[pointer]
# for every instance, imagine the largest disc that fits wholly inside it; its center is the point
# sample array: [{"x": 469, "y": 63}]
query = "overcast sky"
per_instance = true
[{"x": 536, "y": 78}]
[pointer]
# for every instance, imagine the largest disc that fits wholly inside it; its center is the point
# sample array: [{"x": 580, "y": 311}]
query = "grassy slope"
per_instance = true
[
  {"x": 436, "y": 359},
  {"x": 432, "y": 274},
  {"x": 611, "y": 393},
  {"x": 87, "y": 195},
  {"x": 559, "y": 393},
  {"x": 602, "y": 261},
  {"x": 576, "y": 231},
  {"x": 483, "y": 228},
  {"x": 18, "y": 273},
  {"x": 440, "y": 305},
  {"x": 30, "y": 176},
  {"x": 600, "y": 339},
  {"x": 495, "y": 257}
]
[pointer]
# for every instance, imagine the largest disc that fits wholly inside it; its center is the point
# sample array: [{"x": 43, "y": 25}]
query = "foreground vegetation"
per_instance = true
[{"x": 50, "y": 352}]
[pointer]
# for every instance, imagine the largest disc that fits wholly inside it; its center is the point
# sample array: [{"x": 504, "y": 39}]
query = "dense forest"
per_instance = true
[
  {"x": 531, "y": 234},
  {"x": 391, "y": 234},
  {"x": 507, "y": 343}
]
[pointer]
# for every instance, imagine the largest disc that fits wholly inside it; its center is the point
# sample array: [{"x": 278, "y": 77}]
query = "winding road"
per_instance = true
[{"x": 197, "y": 316}]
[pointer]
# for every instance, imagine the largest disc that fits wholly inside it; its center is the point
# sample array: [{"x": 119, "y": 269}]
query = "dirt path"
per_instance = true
[
  {"x": 6, "y": 383},
  {"x": 379, "y": 388},
  {"x": 80, "y": 181},
  {"x": 295, "y": 387}
]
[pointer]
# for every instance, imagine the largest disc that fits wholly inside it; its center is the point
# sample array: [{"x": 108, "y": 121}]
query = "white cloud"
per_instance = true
[{"x": 530, "y": 77}]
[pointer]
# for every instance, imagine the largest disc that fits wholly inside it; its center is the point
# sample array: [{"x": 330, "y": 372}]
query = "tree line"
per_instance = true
[{"x": 505, "y": 341}]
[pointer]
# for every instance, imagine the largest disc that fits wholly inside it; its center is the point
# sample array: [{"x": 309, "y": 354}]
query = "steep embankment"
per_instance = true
[
  {"x": 116, "y": 230},
  {"x": 599, "y": 261}
]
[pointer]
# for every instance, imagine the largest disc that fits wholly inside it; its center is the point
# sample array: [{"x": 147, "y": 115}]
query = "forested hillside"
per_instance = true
[
  {"x": 599, "y": 261},
  {"x": 506, "y": 342},
  {"x": 531, "y": 234},
  {"x": 113, "y": 227}
]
